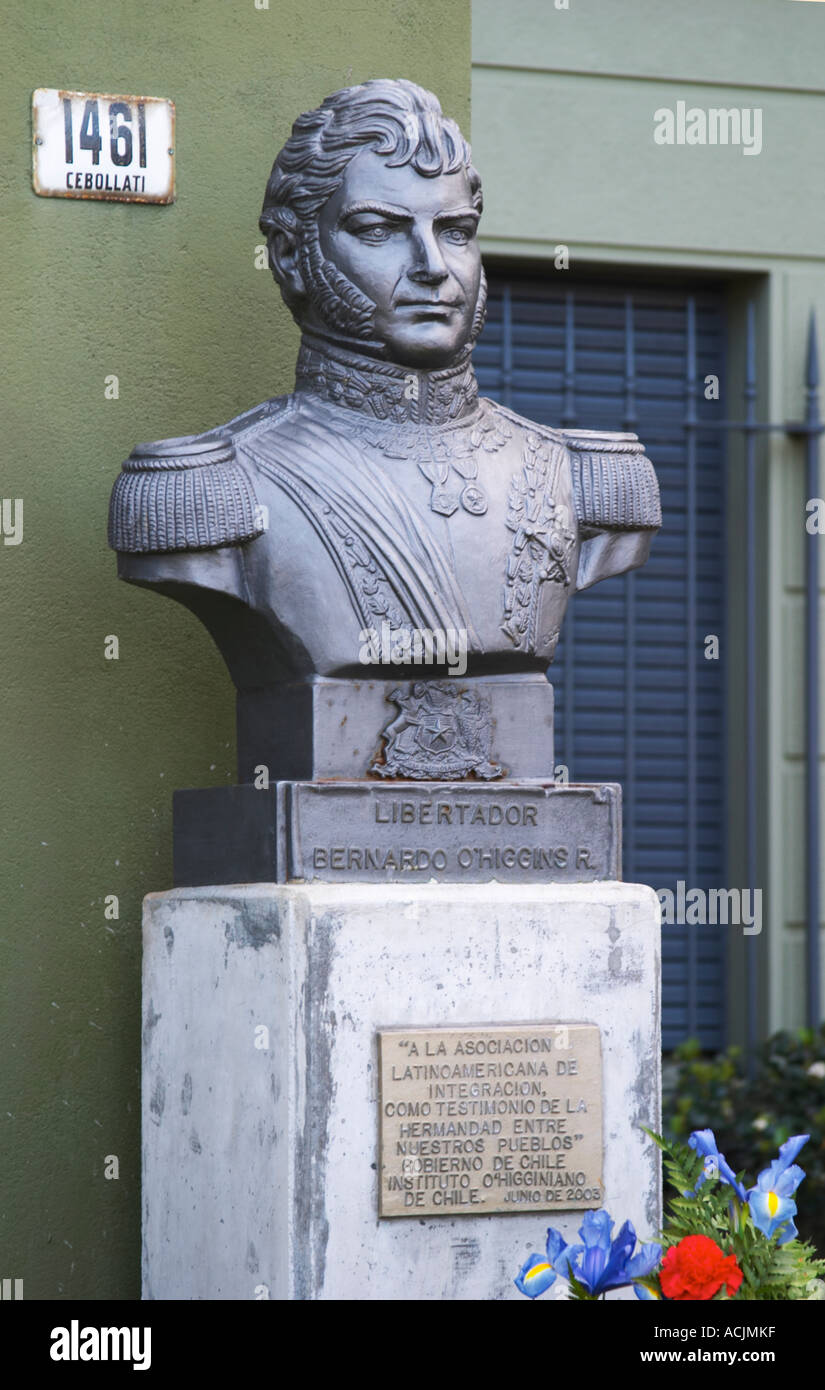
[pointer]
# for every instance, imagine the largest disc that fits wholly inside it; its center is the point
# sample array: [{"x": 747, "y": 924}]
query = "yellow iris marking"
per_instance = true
[
  {"x": 773, "y": 1203},
  {"x": 537, "y": 1269}
]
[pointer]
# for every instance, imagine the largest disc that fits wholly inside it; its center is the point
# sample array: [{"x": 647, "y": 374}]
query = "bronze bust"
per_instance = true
[{"x": 382, "y": 490}]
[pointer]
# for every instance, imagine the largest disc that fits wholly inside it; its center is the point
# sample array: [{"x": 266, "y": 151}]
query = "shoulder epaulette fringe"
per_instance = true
[
  {"x": 614, "y": 483},
  {"x": 182, "y": 494}
]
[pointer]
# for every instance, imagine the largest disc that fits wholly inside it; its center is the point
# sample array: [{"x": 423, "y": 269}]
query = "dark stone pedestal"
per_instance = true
[{"x": 366, "y": 832}]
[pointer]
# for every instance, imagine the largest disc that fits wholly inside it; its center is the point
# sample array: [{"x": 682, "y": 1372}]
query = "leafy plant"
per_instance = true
[{"x": 752, "y": 1118}]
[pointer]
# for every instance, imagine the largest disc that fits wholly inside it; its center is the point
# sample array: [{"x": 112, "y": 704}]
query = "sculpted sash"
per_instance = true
[{"x": 393, "y": 567}]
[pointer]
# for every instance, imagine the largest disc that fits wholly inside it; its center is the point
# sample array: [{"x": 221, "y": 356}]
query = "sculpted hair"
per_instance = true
[{"x": 401, "y": 122}]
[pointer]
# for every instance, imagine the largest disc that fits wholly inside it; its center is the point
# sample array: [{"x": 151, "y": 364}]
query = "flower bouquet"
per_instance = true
[{"x": 721, "y": 1240}]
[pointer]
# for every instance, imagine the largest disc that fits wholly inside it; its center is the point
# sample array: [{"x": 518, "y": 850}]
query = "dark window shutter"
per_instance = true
[{"x": 558, "y": 355}]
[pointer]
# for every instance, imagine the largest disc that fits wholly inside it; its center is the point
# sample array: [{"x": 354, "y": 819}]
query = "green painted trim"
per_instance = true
[
  {"x": 636, "y": 75},
  {"x": 675, "y": 257}
]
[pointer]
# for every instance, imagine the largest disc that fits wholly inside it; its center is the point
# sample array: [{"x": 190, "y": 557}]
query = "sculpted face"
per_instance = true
[{"x": 409, "y": 244}]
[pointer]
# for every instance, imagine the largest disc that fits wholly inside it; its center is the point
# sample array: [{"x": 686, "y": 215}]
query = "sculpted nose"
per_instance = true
[{"x": 428, "y": 266}]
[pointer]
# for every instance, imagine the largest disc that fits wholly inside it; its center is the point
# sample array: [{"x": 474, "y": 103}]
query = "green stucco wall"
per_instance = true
[
  {"x": 169, "y": 300},
  {"x": 564, "y": 95}
]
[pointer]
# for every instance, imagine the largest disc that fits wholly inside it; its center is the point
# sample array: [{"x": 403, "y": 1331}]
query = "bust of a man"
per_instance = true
[{"x": 382, "y": 490}]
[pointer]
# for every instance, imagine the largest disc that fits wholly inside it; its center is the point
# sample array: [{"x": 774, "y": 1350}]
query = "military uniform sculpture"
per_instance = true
[{"x": 383, "y": 493}]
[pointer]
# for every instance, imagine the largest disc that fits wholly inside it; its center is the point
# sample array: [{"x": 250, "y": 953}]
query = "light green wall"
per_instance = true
[
  {"x": 169, "y": 300},
  {"x": 564, "y": 103}
]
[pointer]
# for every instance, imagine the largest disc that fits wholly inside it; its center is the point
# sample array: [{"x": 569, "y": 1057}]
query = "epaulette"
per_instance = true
[
  {"x": 183, "y": 494},
  {"x": 614, "y": 483}
]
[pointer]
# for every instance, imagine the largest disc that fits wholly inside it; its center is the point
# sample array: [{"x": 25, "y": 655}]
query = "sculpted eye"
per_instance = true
[
  {"x": 459, "y": 236},
  {"x": 373, "y": 233}
]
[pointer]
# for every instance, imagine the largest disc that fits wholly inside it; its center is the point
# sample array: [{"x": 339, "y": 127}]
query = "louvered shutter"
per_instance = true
[{"x": 626, "y": 708}]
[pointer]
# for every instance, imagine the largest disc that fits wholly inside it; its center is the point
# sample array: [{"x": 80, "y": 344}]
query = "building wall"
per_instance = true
[
  {"x": 563, "y": 136},
  {"x": 168, "y": 299}
]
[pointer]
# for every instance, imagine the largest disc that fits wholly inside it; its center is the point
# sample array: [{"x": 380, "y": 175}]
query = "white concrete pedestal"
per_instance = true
[{"x": 261, "y": 1006}]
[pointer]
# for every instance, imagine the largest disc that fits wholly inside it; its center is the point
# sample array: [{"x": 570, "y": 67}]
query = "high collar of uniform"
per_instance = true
[{"x": 386, "y": 390}]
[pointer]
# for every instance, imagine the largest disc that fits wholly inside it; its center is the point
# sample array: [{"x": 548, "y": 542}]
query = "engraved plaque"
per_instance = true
[
  {"x": 516, "y": 832},
  {"x": 479, "y": 1120}
]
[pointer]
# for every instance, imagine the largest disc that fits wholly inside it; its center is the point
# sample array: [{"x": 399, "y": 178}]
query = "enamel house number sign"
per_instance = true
[{"x": 117, "y": 148}]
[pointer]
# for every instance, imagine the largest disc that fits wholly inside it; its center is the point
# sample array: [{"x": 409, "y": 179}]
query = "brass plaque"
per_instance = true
[{"x": 478, "y": 1120}]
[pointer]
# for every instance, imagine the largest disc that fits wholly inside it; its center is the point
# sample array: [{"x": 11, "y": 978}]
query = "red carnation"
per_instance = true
[{"x": 696, "y": 1269}]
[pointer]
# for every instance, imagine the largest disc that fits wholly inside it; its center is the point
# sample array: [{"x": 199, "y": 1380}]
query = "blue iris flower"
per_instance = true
[
  {"x": 703, "y": 1141},
  {"x": 601, "y": 1263},
  {"x": 535, "y": 1275},
  {"x": 771, "y": 1201}
]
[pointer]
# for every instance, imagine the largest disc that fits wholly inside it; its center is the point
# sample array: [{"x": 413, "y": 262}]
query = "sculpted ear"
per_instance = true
[{"x": 284, "y": 260}]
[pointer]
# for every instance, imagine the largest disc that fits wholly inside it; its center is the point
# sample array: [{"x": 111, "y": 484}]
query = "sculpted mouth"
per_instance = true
[{"x": 427, "y": 304}]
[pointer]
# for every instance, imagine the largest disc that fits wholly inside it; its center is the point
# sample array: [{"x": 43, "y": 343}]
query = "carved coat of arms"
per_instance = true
[{"x": 441, "y": 732}]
